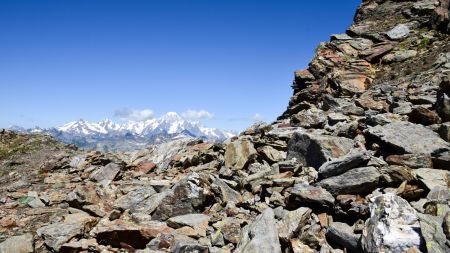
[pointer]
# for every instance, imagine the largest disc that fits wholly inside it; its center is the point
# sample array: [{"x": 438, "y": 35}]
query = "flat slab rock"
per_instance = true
[
  {"x": 358, "y": 180},
  {"x": 405, "y": 137},
  {"x": 312, "y": 194}
]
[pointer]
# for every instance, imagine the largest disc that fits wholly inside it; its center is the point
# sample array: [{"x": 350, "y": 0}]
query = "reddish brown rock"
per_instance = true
[
  {"x": 146, "y": 167},
  {"x": 424, "y": 116}
]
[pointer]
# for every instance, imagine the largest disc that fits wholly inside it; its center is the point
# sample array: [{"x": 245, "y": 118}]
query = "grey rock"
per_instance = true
[
  {"x": 35, "y": 203},
  {"x": 361, "y": 43},
  {"x": 393, "y": 226},
  {"x": 439, "y": 194},
  {"x": 137, "y": 200},
  {"x": 413, "y": 161},
  {"x": 185, "y": 244},
  {"x": 191, "y": 220},
  {"x": 315, "y": 149},
  {"x": 311, "y": 118},
  {"x": 342, "y": 164},
  {"x": 18, "y": 244},
  {"x": 162, "y": 154},
  {"x": 444, "y": 131},
  {"x": 403, "y": 137},
  {"x": 432, "y": 178},
  {"x": 424, "y": 7},
  {"x": 341, "y": 37},
  {"x": 186, "y": 197},
  {"x": 402, "y": 108},
  {"x": 313, "y": 194},
  {"x": 399, "y": 32},
  {"x": 239, "y": 153},
  {"x": 433, "y": 233},
  {"x": 225, "y": 192},
  {"x": 106, "y": 174},
  {"x": 343, "y": 235},
  {"x": 261, "y": 236},
  {"x": 271, "y": 154},
  {"x": 292, "y": 222},
  {"x": 446, "y": 225},
  {"x": 358, "y": 180},
  {"x": 443, "y": 106},
  {"x": 399, "y": 56},
  {"x": 55, "y": 235},
  {"x": 384, "y": 118}
]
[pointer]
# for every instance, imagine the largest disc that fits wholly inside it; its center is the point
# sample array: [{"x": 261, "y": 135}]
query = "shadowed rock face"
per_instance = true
[{"x": 358, "y": 163}]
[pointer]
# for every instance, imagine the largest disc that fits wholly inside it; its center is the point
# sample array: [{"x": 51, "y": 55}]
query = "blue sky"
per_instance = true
[{"x": 95, "y": 59}]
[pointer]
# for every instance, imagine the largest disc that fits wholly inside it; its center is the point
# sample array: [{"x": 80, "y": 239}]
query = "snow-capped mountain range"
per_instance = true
[{"x": 107, "y": 135}]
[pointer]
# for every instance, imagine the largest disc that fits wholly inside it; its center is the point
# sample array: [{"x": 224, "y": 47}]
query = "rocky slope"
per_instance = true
[{"x": 357, "y": 163}]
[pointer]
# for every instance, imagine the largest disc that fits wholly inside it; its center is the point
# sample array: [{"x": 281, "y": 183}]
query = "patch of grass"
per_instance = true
[
  {"x": 424, "y": 42},
  {"x": 20, "y": 144}
]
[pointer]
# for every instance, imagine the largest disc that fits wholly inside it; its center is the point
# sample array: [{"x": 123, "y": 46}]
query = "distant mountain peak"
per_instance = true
[{"x": 107, "y": 133}]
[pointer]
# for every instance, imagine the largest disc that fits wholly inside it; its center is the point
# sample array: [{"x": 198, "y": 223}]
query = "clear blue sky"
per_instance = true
[{"x": 65, "y": 60}]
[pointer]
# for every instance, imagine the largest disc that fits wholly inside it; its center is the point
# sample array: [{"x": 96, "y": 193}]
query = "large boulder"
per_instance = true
[
  {"x": 360, "y": 180},
  {"x": 315, "y": 149},
  {"x": 404, "y": 137},
  {"x": 393, "y": 226},
  {"x": 261, "y": 236},
  {"x": 238, "y": 153}
]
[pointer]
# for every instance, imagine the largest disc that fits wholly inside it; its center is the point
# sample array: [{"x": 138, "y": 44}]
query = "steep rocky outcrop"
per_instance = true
[{"x": 357, "y": 163}]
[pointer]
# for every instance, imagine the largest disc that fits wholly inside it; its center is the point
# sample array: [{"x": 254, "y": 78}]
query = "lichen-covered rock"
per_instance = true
[
  {"x": 431, "y": 228},
  {"x": 292, "y": 222},
  {"x": 393, "y": 226}
]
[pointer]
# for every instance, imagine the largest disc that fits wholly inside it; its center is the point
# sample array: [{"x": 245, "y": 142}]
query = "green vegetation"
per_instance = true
[
  {"x": 424, "y": 42},
  {"x": 20, "y": 144}
]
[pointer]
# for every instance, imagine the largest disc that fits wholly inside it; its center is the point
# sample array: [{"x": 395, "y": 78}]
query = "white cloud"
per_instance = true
[
  {"x": 197, "y": 115},
  {"x": 257, "y": 117},
  {"x": 133, "y": 114}
]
